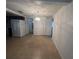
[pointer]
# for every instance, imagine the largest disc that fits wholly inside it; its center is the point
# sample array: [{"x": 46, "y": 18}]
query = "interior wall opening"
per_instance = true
[{"x": 30, "y": 25}]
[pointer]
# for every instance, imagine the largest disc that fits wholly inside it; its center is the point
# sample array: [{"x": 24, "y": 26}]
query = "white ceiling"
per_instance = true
[{"x": 36, "y": 7}]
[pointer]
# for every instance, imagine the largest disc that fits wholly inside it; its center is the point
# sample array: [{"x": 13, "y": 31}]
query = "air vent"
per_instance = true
[{"x": 20, "y": 12}]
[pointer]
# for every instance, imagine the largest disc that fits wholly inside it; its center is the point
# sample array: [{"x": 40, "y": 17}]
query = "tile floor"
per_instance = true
[{"x": 31, "y": 47}]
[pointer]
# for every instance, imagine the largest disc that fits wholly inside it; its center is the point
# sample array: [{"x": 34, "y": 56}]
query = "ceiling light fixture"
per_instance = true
[
  {"x": 38, "y": 2},
  {"x": 37, "y": 19}
]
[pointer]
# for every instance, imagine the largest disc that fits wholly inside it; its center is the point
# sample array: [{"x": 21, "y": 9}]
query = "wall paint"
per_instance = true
[
  {"x": 15, "y": 27},
  {"x": 63, "y": 31},
  {"x": 22, "y": 28},
  {"x": 18, "y": 27},
  {"x": 42, "y": 27}
]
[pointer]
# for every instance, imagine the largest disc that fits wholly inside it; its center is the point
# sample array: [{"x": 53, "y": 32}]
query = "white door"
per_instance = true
[{"x": 38, "y": 28}]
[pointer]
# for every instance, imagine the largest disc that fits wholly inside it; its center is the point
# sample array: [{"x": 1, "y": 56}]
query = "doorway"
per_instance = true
[
  {"x": 8, "y": 27},
  {"x": 52, "y": 23},
  {"x": 30, "y": 25}
]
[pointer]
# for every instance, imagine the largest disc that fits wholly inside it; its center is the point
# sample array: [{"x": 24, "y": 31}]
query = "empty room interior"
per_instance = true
[{"x": 39, "y": 29}]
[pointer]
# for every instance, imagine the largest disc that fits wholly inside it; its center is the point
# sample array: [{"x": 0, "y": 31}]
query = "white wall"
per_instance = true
[
  {"x": 22, "y": 27},
  {"x": 15, "y": 27},
  {"x": 63, "y": 31},
  {"x": 42, "y": 27},
  {"x": 18, "y": 27}
]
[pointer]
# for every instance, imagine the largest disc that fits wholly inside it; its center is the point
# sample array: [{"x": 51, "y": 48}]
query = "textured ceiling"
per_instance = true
[
  {"x": 41, "y": 0},
  {"x": 36, "y": 7}
]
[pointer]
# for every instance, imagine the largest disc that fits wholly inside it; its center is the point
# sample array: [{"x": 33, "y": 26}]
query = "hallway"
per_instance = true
[
  {"x": 50, "y": 22},
  {"x": 31, "y": 47}
]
